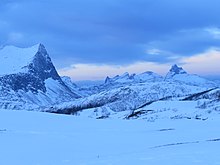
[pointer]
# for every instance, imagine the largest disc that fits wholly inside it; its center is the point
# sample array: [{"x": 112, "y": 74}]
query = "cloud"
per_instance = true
[
  {"x": 112, "y": 32},
  {"x": 154, "y": 51},
  {"x": 214, "y": 31},
  {"x": 186, "y": 42},
  {"x": 161, "y": 56},
  {"x": 206, "y": 63},
  {"x": 15, "y": 37}
]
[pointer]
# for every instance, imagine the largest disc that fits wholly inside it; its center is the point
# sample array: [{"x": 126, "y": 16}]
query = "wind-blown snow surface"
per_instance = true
[
  {"x": 13, "y": 59},
  {"x": 33, "y": 138}
]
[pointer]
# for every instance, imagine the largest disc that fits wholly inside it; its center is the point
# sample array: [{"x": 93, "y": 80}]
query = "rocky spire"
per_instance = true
[{"x": 174, "y": 71}]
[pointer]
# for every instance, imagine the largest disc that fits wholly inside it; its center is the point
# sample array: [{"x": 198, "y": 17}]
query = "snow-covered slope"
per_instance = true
[
  {"x": 33, "y": 138},
  {"x": 82, "y": 91},
  {"x": 14, "y": 60},
  {"x": 200, "y": 106},
  {"x": 126, "y": 98},
  {"x": 29, "y": 79}
]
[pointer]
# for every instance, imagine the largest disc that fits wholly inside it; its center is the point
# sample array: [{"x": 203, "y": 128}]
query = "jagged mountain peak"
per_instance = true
[
  {"x": 34, "y": 60},
  {"x": 17, "y": 60},
  {"x": 135, "y": 78},
  {"x": 42, "y": 49},
  {"x": 175, "y": 70},
  {"x": 31, "y": 75},
  {"x": 42, "y": 64},
  {"x": 118, "y": 78},
  {"x": 107, "y": 79},
  {"x": 26, "y": 68},
  {"x": 179, "y": 75}
]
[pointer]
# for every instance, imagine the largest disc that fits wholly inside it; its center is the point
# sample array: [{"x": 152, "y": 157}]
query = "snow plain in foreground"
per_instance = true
[{"x": 35, "y": 138}]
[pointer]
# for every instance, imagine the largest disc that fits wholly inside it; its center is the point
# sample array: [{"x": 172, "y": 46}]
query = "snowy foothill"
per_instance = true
[{"x": 37, "y": 138}]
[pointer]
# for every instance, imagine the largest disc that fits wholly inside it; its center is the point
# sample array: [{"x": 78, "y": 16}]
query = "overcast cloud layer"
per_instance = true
[{"x": 112, "y": 32}]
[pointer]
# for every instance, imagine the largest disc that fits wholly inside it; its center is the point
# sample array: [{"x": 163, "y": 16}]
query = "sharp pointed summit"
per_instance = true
[
  {"x": 107, "y": 80},
  {"x": 41, "y": 47},
  {"x": 175, "y": 69},
  {"x": 179, "y": 75}
]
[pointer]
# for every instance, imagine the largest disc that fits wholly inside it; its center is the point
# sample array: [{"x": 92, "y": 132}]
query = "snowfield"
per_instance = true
[
  {"x": 36, "y": 138},
  {"x": 15, "y": 60}
]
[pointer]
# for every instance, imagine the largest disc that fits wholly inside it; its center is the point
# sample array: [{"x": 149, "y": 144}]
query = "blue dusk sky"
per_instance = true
[{"x": 90, "y": 39}]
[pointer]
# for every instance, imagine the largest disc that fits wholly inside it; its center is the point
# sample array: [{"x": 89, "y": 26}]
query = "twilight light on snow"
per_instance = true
[
  {"x": 47, "y": 139},
  {"x": 114, "y": 82}
]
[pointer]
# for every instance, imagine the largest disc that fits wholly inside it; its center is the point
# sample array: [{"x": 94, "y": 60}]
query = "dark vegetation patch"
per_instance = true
[
  {"x": 213, "y": 140},
  {"x": 102, "y": 117},
  {"x": 136, "y": 114},
  {"x": 74, "y": 109},
  {"x": 197, "y": 95},
  {"x": 150, "y": 102}
]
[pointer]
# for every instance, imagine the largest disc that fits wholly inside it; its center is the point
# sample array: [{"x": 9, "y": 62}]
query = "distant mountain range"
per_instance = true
[{"x": 29, "y": 80}]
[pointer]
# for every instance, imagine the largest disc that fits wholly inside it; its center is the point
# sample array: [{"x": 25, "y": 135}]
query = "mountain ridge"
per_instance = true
[{"x": 36, "y": 85}]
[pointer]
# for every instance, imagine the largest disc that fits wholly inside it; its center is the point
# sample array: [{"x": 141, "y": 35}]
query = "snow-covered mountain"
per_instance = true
[
  {"x": 179, "y": 75},
  {"x": 82, "y": 91},
  {"x": 175, "y": 75},
  {"x": 175, "y": 70},
  {"x": 29, "y": 79},
  {"x": 127, "y": 98},
  {"x": 128, "y": 94}
]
